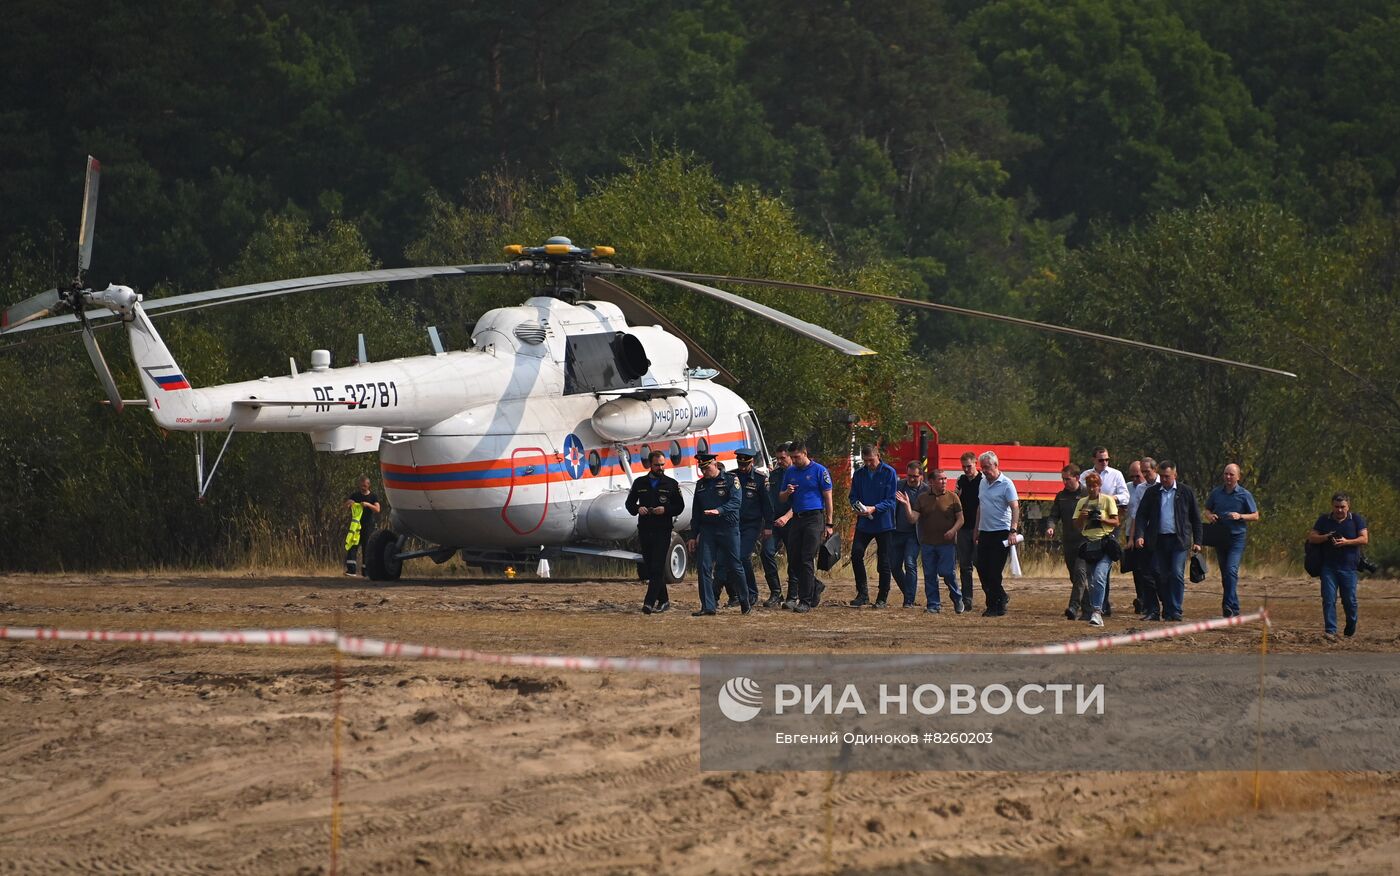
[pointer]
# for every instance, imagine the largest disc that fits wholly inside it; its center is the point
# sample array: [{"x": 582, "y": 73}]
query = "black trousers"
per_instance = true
[
  {"x": 804, "y": 539},
  {"x": 882, "y": 562},
  {"x": 656, "y": 550},
  {"x": 991, "y": 562}
]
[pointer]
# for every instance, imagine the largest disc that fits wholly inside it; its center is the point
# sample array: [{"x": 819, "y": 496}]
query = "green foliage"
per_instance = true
[{"x": 1134, "y": 111}]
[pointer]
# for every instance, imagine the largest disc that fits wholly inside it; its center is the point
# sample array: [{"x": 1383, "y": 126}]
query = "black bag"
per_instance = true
[
  {"x": 830, "y": 553},
  {"x": 1112, "y": 547},
  {"x": 1198, "y": 568},
  {"x": 1129, "y": 563},
  {"x": 1217, "y": 534},
  {"x": 1312, "y": 559},
  {"x": 1091, "y": 551}
]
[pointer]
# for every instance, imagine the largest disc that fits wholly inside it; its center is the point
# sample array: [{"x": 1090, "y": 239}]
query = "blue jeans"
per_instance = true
[
  {"x": 1228, "y": 559},
  {"x": 1334, "y": 581},
  {"x": 1170, "y": 560},
  {"x": 905, "y": 547},
  {"x": 717, "y": 542},
  {"x": 1098, "y": 582},
  {"x": 940, "y": 561}
]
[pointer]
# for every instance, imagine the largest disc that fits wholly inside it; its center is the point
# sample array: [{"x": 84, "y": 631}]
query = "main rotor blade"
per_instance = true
[
  {"x": 28, "y": 310},
  {"x": 89, "y": 223},
  {"x": 638, "y": 312},
  {"x": 233, "y": 294},
  {"x": 963, "y": 311},
  {"x": 792, "y": 323},
  {"x": 104, "y": 373}
]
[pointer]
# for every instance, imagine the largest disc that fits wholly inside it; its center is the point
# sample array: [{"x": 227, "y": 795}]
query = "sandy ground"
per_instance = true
[{"x": 169, "y": 759}]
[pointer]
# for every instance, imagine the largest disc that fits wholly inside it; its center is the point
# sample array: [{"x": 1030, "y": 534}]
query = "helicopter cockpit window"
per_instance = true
[
  {"x": 604, "y": 361},
  {"x": 595, "y": 462},
  {"x": 675, "y": 453}
]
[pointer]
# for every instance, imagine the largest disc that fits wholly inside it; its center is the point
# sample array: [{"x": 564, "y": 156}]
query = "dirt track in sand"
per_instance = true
[{"x": 169, "y": 759}]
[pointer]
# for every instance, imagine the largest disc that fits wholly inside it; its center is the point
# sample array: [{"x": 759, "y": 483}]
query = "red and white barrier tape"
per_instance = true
[
  {"x": 176, "y": 637},
  {"x": 358, "y": 646},
  {"x": 1098, "y": 644},
  {"x": 379, "y": 648}
]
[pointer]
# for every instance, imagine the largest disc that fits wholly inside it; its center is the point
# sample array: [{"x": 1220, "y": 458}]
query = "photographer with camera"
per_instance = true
[
  {"x": 1096, "y": 517},
  {"x": 1341, "y": 535}
]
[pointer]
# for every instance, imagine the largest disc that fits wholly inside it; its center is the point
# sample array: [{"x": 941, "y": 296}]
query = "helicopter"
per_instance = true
[{"x": 522, "y": 446}]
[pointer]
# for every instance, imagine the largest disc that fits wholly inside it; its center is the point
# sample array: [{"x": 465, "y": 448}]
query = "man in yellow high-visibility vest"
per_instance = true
[{"x": 363, "y": 506}]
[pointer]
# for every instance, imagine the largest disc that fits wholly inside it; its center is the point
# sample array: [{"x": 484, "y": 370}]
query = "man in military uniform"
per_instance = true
[
  {"x": 755, "y": 515},
  {"x": 715, "y": 522},
  {"x": 774, "y": 540},
  {"x": 655, "y": 500}
]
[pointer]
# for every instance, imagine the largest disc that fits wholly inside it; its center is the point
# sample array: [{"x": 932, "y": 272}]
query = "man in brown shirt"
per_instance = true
[{"x": 938, "y": 515}]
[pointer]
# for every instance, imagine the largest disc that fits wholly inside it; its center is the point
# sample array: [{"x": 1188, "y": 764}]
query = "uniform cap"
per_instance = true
[
  {"x": 704, "y": 456},
  {"x": 746, "y": 453}
]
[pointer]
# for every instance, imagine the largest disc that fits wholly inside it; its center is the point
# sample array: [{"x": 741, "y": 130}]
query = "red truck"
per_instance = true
[{"x": 1034, "y": 470}]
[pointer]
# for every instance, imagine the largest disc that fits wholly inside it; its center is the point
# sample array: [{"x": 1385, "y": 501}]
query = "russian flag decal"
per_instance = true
[{"x": 168, "y": 382}]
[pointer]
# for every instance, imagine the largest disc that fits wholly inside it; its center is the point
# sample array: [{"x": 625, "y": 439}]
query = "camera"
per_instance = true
[
  {"x": 1095, "y": 514},
  {"x": 1364, "y": 564}
]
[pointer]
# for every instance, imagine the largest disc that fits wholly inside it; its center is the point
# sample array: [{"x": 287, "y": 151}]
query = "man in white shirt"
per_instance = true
[{"x": 1144, "y": 578}]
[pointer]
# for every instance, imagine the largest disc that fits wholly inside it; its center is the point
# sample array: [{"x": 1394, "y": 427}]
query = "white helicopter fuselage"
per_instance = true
[{"x": 529, "y": 439}]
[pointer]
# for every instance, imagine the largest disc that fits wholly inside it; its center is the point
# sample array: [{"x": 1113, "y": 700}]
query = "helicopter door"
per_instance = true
[
  {"x": 753, "y": 437},
  {"x": 527, "y": 503}
]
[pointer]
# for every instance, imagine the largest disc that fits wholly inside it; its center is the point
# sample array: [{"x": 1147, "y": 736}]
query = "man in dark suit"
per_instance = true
[
  {"x": 1169, "y": 525},
  {"x": 656, "y": 500}
]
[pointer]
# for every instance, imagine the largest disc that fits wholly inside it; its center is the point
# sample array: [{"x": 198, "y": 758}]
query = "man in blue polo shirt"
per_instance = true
[
  {"x": 1234, "y": 506},
  {"x": 998, "y": 517},
  {"x": 807, "y": 523},
  {"x": 873, "y": 487}
]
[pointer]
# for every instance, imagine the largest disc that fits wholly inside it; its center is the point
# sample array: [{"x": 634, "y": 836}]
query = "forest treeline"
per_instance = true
[{"x": 1219, "y": 177}]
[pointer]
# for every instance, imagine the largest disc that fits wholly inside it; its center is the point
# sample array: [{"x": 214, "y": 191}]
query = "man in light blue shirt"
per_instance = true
[
  {"x": 998, "y": 516},
  {"x": 1232, "y": 505}
]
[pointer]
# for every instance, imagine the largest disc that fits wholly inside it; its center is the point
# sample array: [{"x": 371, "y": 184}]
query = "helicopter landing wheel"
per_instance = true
[
  {"x": 677, "y": 560},
  {"x": 382, "y": 556}
]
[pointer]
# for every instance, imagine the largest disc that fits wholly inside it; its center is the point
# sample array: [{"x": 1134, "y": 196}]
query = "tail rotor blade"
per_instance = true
[
  {"x": 103, "y": 372},
  {"x": 37, "y": 307},
  {"x": 89, "y": 223}
]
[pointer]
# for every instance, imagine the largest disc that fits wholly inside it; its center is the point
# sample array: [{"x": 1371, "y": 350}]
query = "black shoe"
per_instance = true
[
  {"x": 647, "y": 609},
  {"x": 880, "y": 603},
  {"x": 802, "y": 608},
  {"x": 1107, "y": 610},
  {"x": 1069, "y": 614},
  {"x": 701, "y": 613},
  {"x": 773, "y": 601},
  {"x": 745, "y": 607},
  {"x": 860, "y": 600},
  {"x": 817, "y": 597},
  {"x": 730, "y": 603},
  {"x": 994, "y": 612},
  {"x": 665, "y": 606},
  {"x": 789, "y": 605},
  {"x": 1349, "y": 629},
  {"x": 967, "y": 603},
  {"x": 1174, "y": 617},
  {"x": 1152, "y": 616},
  {"x": 1137, "y": 606},
  {"x": 933, "y": 609}
]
